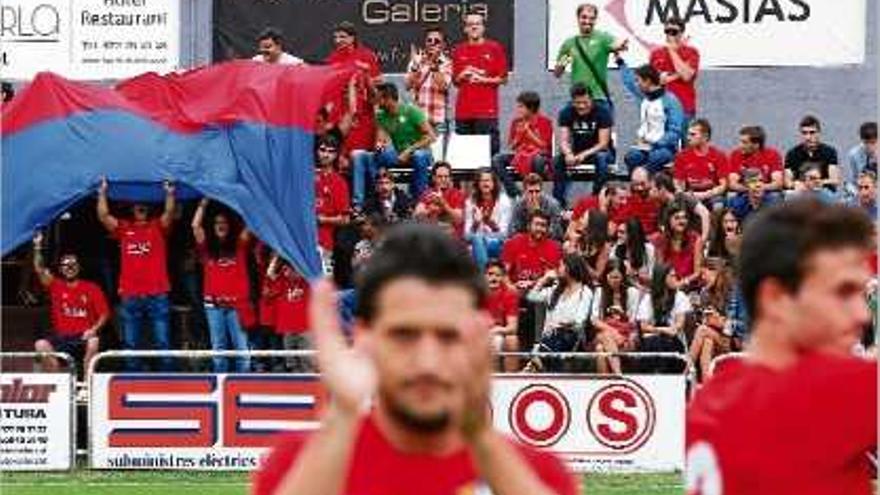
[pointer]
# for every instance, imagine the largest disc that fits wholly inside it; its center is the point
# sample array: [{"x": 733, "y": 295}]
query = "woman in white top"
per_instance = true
[
  {"x": 661, "y": 317},
  {"x": 487, "y": 215},
  {"x": 613, "y": 315},
  {"x": 636, "y": 253},
  {"x": 568, "y": 299}
]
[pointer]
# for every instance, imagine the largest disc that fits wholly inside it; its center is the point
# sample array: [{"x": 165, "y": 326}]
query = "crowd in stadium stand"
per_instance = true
[{"x": 644, "y": 263}]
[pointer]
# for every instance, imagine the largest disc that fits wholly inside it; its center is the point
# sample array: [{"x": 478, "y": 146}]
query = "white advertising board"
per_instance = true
[
  {"x": 35, "y": 421},
  {"x": 728, "y": 32},
  {"x": 89, "y": 39},
  {"x": 225, "y": 422}
]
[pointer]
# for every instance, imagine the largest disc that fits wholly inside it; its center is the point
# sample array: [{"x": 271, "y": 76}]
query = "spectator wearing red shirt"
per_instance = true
[
  {"x": 802, "y": 275},
  {"x": 331, "y": 195},
  {"x": 479, "y": 67},
  {"x": 529, "y": 255},
  {"x": 79, "y": 311},
  {"x": 752, "y": 153},
  {"x": 264, "y": 336},
  {"x": 350, "y": 52},
  {"x": 443, "y": 201},
  {"x": 680, "y": 247},
  {"x": 678, "y": 64},
  {"x": 640, "y": 203},
  {"x": 530, "y": 140},
  {"x": 291, "y": 296},
  {"x": 421, "y": 359},
  {"x": 611, "y": 200},
  {"x": 226, "y": 287},
  {"x": 701, "y": 168},
  {"x": 502, "y": 303},
  {"x": 143, "y": 277}
]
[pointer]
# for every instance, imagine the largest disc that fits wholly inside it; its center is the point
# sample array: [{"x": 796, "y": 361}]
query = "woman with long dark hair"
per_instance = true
[
  {"x": 635, "y": 252},
  {"x": 661, "y": 318},
  {"x": 613, "y": 315},
  {"x": 725, "y": 236},
  {"x": 226, "y": 285},
  {"x": 568, "y": 298},
  {"x": 595, "y": 244},
  {"x": 680, "y": 247},
  {"x": 722, "y": 319},
  {"x": 486, "y": 218}
]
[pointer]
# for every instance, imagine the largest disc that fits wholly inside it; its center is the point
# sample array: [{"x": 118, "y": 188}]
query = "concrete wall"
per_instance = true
[{"x": 842, "y": 97}]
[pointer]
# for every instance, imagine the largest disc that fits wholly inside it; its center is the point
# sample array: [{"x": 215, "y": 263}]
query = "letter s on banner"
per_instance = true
[
  {"x": 622, "y": 416},
  {"x": 158, "y": 403}
]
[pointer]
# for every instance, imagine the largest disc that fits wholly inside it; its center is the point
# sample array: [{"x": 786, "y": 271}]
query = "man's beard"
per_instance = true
[{"x": 420, "y": 423}]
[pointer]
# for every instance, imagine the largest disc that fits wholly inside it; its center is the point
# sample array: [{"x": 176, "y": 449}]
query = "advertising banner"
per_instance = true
[
  {"x": 389, "y": 27},
  {"x": 728, "y": 33},
  {"x": 35, "y": 421},
  {"x": 225, "y": 422},
  {"x": 89, "y": 39}
]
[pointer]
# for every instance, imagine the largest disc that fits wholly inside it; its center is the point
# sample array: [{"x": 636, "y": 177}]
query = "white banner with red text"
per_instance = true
[
  {"x": 226, "y": 422},
  {"x": 36, "y": 432},
  {"x": 728, "y": 33}
]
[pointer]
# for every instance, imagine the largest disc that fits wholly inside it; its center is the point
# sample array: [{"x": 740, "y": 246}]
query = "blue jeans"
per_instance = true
[
  {"x": 366, "y": 165},
  {"x": 602, "y": 161},
  {"x": 137, "y": 312},
  {"x": 227, "y": 335},
  {"x": 484, "y": 247},
  {"x": 501, "y": 161},
  {"x": 654, "y": 160}
]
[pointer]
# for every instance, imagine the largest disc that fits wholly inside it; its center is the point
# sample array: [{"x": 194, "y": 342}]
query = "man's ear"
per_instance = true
[{"x": 773, "y": 300}]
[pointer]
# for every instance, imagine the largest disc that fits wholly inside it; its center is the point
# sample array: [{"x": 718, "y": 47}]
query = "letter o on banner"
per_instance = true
[
  {"x": 539, "y": 415},
  {"x": 621, "y": 416}
]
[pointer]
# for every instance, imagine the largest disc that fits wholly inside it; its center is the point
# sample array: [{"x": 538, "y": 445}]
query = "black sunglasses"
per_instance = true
[
  {"x": 672, "y": 31},
  {"x": 433, "y": 41}
]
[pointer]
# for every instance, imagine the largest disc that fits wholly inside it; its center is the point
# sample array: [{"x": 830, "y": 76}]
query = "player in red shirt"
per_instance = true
[
  {"x": 701, "y": 168},
  {"x": 350, "y": 52},
  {"x": 226, "y": 291},
  {"x": 528, "y": 256},
  {"x": 421, "y": 359},
  {"x": 798, "y": 413},
  {"x": 479, "y": 67},
  {"x": 752, "y": 153},
  {"x": 530, "y": 140},
  {"x": 502, "y": 303},
  {"x": 291, "y": 294},
  {"x": 143, "y": 276},
  {"x": 78, "y": 307},
  {"x": 678, "y": 64},
  {"x": 331, "y": 194}
]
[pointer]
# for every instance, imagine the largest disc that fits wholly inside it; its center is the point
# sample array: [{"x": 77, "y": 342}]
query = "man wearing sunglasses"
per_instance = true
[
  {"x": 812, "y": 150},
  {"x": 678, "y": 63},
  {"x": 429, "y": 76},
  {"x": 78, "y": 308}
]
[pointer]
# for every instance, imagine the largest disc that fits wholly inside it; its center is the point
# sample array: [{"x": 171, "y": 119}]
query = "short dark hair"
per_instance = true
[
  {"x": 663, "y": 180},
  {"x": 530, "y": 100},
  {"x": 778, "y": 242},
  {"x": 532, "y": 179},
  {"x": 438, "y": 165},
  {"x": 345, "y": 27},
  {"x": 9, "y": 93},
  {"x": 811, "y": 121},
  {"x": 389, "y": 90},
  {"x": 579, "y": 89},
  {"x": 420, "y": 251},
  {"x": 585, "y": 6},
  {"x": 675, "y": 20},
  {"x": 704, "y": 125},
  {"x": 868, "y": 131},
  {"x": 328, "y": 140},
  {"x": 538, "y": 214},
  {"x": 435, "y": 28},
  {"x": 649, "y": 73},
  {"x": 495, "y": 263},
  {"x": 755, "y": 133},
  {"x": 271, "y": 33}
]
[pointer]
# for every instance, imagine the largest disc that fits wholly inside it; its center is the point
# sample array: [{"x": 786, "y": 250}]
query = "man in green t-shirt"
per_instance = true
[
  {"x": 594, "y": 44},
  {"x": 403, "y": 138}
]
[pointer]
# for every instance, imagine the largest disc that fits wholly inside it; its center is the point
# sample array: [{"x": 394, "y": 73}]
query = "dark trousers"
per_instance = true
[
  {"x": 502, "y": 161},
  {"x": 481, "y": 126}
]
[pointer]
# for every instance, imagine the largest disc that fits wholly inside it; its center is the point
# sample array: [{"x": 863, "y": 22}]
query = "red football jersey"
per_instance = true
[
  {"x": 803, "y": 430},
  {"x": 700, "y": 172},
  {"x": 292, "y": 302},
  {"x": 478, "y": 100},
  {"x": 378, "y": 468},
  {"x": 75, "y": 307},
  {"x": 226, "y": 277},
  {"x": 143, "y": 269},
  {"x": 362, "y": 134},
  {"x": 502, "y": 303},
  {"x": 331, "y": 199},
  {"x": 646, "y": 209},
  {"x": 686, "y": 92},
  {"x": 767, "y": 160},
  {"x": 617, "y": 215},
  {"x": 529, "y": 260}
]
